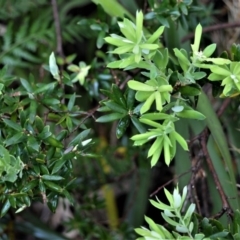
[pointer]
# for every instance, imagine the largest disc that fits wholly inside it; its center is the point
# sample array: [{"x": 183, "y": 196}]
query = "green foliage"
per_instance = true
[
  {"x": 185, "y": 225},
  {"x": 33, "y": 155},
  {"x": 158, "y": 89}
]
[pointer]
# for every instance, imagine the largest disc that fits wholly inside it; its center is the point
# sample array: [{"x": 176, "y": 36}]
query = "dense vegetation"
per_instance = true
[{"x": 105, "y": 105}]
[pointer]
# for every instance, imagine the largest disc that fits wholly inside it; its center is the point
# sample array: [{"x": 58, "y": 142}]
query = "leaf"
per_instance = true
[
  {"x": 177, "y": 109},
  {"x": 146, "y": 106},
  {"x": 236, "y": 221},
  {"x": 53, "y": 67},
  {"x": 219, "y": 61},
  {"x": 191, "y": 114},
  {"x": 69, "y": 123},
  {"x": 139, "y": 25},
  {"x": 149, "y": 46},
  {"x": 5, "y": 208},
  {"x": 156, "y": 116},
  {"x": 115, "y": 107},
  {"x": 17, "y": 138},
  {"x": 155, "y": 146},
  {"x": 139, "y": 126},
  {"x": 33, "y": 143},
  {"x": 180, "y": 140},
  {"x": 219, "y": 137},
  {"x": 181, "y": 57},
  {"x": 220, "y": 71},
  {"x": 155, "y": 36},
  {"x": 110, "y": 117},
  {"x": 26, "y": 85},
  {"x": 209, "y": 50},
  {"x": 161, "y": 205},
  {"x": 79, "y": 138},
  {"x": 52, "y": 177},
  {"x": 12, "y": 125},
  {"x": 138, "y": 86},
  {"x": 190, "y": 90},
  {"x": 53, "y": 201},
  {"x": 197, "y": 38},
  {"x": 45, "y": 88},
  {"x": 53, "y": 142},
  {"x": 117, "y": 96},
  {"x": 50, "y": 101},
  {"x": 53, "y": 186},
  {"x": 122, "y": 126},
  {"x": 32, "y": 184},
  {"x": 45, "y": 133},
  {"x": 113, "y": 8},
  {"x": 154, "y": 226},
  {"x": 39, "y": 124},
  {"x": 199, "y": 75}
]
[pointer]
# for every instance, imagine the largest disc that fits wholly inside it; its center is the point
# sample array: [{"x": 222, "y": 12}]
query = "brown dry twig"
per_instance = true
[
  {"x": 212, "y": 28},
  {"x": 57, "y": 28}
]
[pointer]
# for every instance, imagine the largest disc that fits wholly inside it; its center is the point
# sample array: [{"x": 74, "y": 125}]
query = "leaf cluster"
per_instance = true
[
  {"x": 36, "y": 164},
  {"x": 186, "y": 225}
]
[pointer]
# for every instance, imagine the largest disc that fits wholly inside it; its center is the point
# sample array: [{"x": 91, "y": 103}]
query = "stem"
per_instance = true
[
  {"x": 182, "y": 222},
  {"x": 57, "y": 28},
  {"x": 213, "y": 28},
  {"x": 225, "y": 204}
]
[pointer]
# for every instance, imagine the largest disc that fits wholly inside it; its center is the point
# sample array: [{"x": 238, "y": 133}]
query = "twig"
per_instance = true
[
  {"x": 57, "y": 28},
  {"x": 212, "y": 28},
  {"x": 225, "y": 204},
  {"x": 168, "y": 182},
  {"x": 223, "y": 107}
]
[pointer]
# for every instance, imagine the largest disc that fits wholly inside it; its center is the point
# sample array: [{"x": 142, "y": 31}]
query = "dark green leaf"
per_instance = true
[
  {"x": 53, "y": 186},
  {"x": 41, "y": 186},
  {"x": 33, "y": 143},
  {"x": 69, "y": 123},
  {"x": 26, "y": 85},
  {"x": 117, "y": 96},
  {"x": 236, "y": 221},
  {"x": 115, "y": 107},
  {"x": 58, "y": 165},
  {"x": 218, "y": 235},
  {"x": 122, "y": 126},
  {"x": 52, "y": 177},
  {"x": 62, "y": 135},
  {"x": 12, "y": 125},
  {"x": 44, "y": 169},
  {"x": 29, "y": 186},
  {"x": 53, "y": 201},
  {"x": 68, "y": 196},
  {"x": 17, "y": 138},
  {"x": 45, "y": 88},
  {"x": 190, "y": 90},
  {"x": 12, "y": 201},
  {"x": 45, "y": 133},
  {"x": 110, "y": 117},
  {"x": 5, "y": 208},
  {"x": 39, "y": 124},
  {"x": 26, "y": 200},
  {"x": 50, "y": 101},
  {"x": 130, "y": 98},
  {"x": 71, "y": 102},
  {"x": 139, "y": 126},
  {"x": 53, "y": 142},
  {"x": 79, "y": 137}
]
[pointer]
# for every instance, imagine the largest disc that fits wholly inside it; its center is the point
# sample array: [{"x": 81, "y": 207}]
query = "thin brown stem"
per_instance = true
[
  {"x": 57, "y": 28},
  {"x": 169, "y": 182},
  {"x": 223, "y": 107},
  {"x": 212, "y": 28},
  {"x": 225, "y": 204}
]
